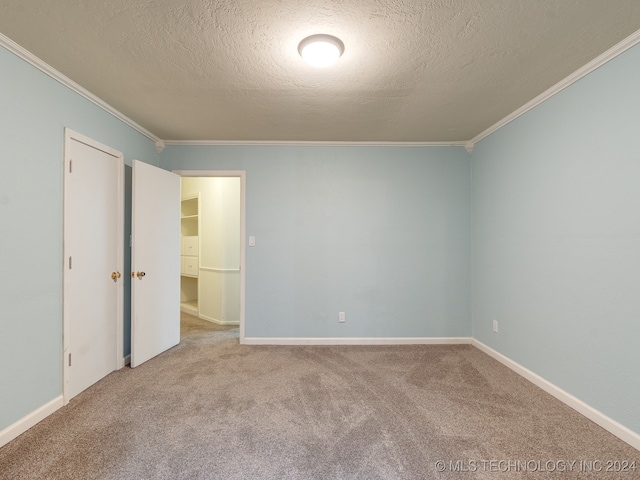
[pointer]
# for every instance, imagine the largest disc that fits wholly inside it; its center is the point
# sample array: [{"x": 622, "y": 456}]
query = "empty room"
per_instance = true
[{"x": 335, "y": 239}]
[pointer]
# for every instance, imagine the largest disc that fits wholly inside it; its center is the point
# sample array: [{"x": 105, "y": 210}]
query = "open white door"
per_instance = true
[{"x": 155, "y": 262}]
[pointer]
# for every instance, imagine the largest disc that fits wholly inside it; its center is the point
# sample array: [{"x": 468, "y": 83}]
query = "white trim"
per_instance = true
[
  {"x": 294, "y": 143},
  {"x": 126, "y": 360},
  {"x": 243, "y": 226},
  {"x": 623, "y": 433},
  {"x": 469, "y": 147},
  {"x": 220, "y": 270},
  {"x": 210, "y": 173},
  {"x": 594, "y": 64},
  {"x": 47, "y": 69},
  {"x": 73, "y": 135},
  {"x": 190, "y": 196},
  {"x": 190, "y": 309},
  {"x": 359, "y": 341},
  {"x": 28, "y": 421},
  {"x": 605, "y": 57},
  {"x": 120, "y": 298},
  {"x": 70, "y": 135},
  {"x": 216, "y": 321}
]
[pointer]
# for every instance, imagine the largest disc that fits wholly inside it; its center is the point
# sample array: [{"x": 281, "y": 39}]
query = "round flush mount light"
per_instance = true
[{"x": 321, "y": 50}]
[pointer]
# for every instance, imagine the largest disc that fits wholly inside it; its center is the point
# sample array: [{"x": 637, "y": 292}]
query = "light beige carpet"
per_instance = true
[{"x": 213, "y": 409}]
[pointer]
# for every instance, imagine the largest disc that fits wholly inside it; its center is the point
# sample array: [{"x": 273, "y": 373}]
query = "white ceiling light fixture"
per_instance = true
[{"x": 321, "y": 50}]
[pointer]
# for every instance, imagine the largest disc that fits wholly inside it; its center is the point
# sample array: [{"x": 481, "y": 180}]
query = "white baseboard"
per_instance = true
[
  {"x": 25, "y": 423},
  {"x": 127, "y": 360},
  {"x": 359, "y": 341},
  {"x": 216, "y": 321},
  {"x": 191, "y": 310},
  {"x": 623, "y": 433}
]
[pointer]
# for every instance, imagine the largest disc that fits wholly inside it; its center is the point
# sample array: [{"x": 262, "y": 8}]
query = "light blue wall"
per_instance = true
[
  {"x": 34, "y": 110},
  {"x": 381, "y": 233},
  {"x": 556, "y": 238}
]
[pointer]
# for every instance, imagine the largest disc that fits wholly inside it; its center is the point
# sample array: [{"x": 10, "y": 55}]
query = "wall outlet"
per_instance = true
[
  {"x": 495, "y": 326},
  {"x": 341, "y": 317}
]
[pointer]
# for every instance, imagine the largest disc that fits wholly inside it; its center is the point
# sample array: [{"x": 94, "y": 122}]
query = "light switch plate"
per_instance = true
[{"x": 252, "y": 241}]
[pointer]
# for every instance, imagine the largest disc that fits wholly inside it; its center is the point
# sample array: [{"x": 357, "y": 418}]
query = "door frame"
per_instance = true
[
  {"x": 242, "y": 174},
  {"x": 71, "y": 135}
]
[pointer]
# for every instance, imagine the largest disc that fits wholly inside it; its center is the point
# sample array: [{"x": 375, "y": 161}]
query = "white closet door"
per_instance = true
[
  {"x": 155, "y": 261},
  {"x": 93, "y": 220}
]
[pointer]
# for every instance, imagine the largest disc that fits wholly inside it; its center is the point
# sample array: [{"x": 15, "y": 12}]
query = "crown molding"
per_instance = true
[
  {"x": 293, "y": 143},
  {"x": 47, "y": 69},
  {"x": 594, "y": 64},
  {"x": 160, "y": 144}
]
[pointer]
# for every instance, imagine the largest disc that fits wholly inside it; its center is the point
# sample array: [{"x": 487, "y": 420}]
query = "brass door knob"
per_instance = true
[
  {"x": 140, "y": 275},
  {"x": 115, "y": 276}
]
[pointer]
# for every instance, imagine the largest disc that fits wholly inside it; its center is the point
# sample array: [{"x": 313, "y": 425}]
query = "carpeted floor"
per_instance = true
[{"x": 213, "y": 409}]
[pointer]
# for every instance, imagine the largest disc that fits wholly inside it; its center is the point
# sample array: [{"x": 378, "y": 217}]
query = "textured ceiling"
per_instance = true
[{"x": 412, "y": 71}]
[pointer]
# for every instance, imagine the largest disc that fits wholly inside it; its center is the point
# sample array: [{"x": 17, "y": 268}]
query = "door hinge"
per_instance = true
[
  {"x": 69, "y": 359},
  {"x": 70, "y": 263},
  {"x": 70, "y": 166}
]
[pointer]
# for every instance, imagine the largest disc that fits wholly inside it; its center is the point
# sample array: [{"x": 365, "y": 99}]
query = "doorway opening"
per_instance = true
[{"x": 212, "y": 252}]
